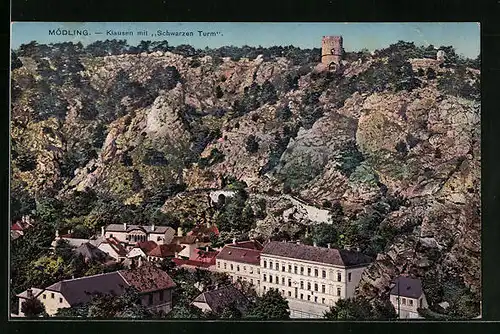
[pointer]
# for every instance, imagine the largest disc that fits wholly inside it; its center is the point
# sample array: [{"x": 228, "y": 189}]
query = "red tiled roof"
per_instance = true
[
  {"x": 16, "y": 227},
  {"x": 164, "y": 251},
  {"x": 204, "y": 256},
  {"x": 202, "y": 231},
  {"x": 193, "y": 263},
  {"x": 117, "y": 246},
  {"x": 147, "y": 246},
  {"x": 250, "y": 244},
  {"x": 237, "y": 254},
  {"x": 187, "y": 239},
  {"x": 147, "y": 278}
]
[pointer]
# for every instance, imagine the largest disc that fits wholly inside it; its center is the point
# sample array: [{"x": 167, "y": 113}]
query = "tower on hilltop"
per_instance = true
[{"x": 331, "y": 50}]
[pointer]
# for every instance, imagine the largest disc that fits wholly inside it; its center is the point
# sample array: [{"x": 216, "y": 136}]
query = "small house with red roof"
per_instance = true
[
  {"x": 202, "y": 259},
  {"x": 114, "y": 248},
  {"x": 162, "y": 252},
  {"x": 241, "y": 261}
]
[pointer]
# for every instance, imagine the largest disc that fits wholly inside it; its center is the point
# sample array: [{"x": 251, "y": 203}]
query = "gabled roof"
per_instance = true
[
  {"x": 80, "y": 290},
  {"x": 36, "y": 292},
  {"x": 408, "y": 287},
  {"x": 250, "y": 244},
  {"x": 204, "y": 231},
  {"x": 237, "y": 254},
  {"x": 164, "y": 251},
  {"x": 205, "y": 256},
  {"x": 147, "y": 278},
  {"x": 116, "y": 245},
  {"x": 223, "y": 297},
  {"x": 147, "y": 246},
  {"x": 89, "y": 251},
  {"x": 339, "y": 257},
  {"x": 191, "y": 263},
  {"x": 145, "y": 228}
]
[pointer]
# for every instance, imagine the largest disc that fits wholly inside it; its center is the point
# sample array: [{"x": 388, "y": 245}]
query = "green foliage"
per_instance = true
[
  {"x": 33, "y": 308},
  {"x": 361, "y": 309},
  {"x": 270, "y": 306},
  {"x": 460, "y": 83},
  {"x": 236, "y": 214},
  {"x": 324, "y": 234},
  {"x": 350, "y": 158}
]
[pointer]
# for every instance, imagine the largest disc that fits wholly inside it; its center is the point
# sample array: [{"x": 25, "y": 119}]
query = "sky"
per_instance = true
[{"x": 464, "y": 36}]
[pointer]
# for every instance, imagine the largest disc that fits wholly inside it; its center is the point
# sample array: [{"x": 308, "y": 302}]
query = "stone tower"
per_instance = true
[{"x": 331, "y": 50}]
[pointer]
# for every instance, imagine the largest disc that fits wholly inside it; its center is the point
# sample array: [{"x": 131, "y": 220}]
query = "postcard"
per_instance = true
[{"x": 245, "y": 171}]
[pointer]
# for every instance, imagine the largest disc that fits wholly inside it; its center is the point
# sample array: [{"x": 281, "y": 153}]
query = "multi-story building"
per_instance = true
[
  {"x": 132, "y": 234},
  {"x": 311, "y": 278},
  {"x": 241, "y": 261},
  {"x": 407, "y": 297}
]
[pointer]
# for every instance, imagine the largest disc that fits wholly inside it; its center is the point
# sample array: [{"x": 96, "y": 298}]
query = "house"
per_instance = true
[
  {"x": 19, "y": 227},
  {"x": 217, "y": 300},
  {"x": 190, "y": 244},
  {"x": 154, "y": 286},
  {"x": 311, "y": 278},
  {"x": 92, "y": 253},
  {"x": 132, "y": 234},
  {"x": 407, "y": 296},
  {"x": 162, "y": 252},
  {"x": 241, "y": 261},
  {"x": 204, "y": 231},
  {"x": 113, "y": 248},
  {"x": 74, "y": 242},
  {"x": 142, "y": 249},
  {"x": 203, "y": 259}
]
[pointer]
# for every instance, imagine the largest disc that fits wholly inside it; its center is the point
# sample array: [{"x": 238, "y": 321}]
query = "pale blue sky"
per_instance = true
[{"x": 464, "y": 36}]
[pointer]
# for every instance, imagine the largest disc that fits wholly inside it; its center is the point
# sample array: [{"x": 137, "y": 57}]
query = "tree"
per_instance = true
[
  {"x": 33, "y": 308},
  {"x": 283, "y": 113},
  {"x": 350, "y": 309},
  {"x": 231, "y": 312},
  {"x": 384, "y": 310},
  {"x": 270, "y": 306},
  {"x": 251, "y": 144}
]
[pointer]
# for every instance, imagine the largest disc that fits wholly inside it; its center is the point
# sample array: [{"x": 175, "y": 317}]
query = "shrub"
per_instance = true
[{"x": 251, "y": 144}]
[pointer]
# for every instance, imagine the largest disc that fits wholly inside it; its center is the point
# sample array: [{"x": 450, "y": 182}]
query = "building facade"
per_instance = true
[
  {"x": 241, "y": 261},
  {"x": 331, "y": 50},
  {"x": 407, "y": 297},
  {"x": 132, "y": 234},
  {"x": 311, "y": 278}
]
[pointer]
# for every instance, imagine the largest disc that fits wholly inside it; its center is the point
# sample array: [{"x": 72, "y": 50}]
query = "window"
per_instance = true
[
  {"x": 232, "y": 266},
  {"x": 349, "y": 277},
  {"x": 264, "y": 278},
  {"x": 282, "y": 267},
  {"x": 264, "y": 288},
  {"x": 44, "y": 296},
  {"x": 302, "y": 270},
  {"x": 270, "y": 278},
  {"x": 52, "y": 295},
  {"x": 218, "y": 264},
  {"x": 150, "y": 301},
  {"x": 302, "y": 284},
  {"x": 289, "y": 282},
  {"x": 295, "y": 269},
  {"x": 315, "y": 299},
  {"x": 308, "y": 297},
  {"x": 161, "y": 296},
  {"x": 270, "y": 265},
  {"x": 289, "y": 268},
  {"x": 237, "y": 268},
  {"x": 289, "y": 293},
  {"x": 315, "y": 287},
  {"x": 338, "y": 291},
  {"x": 60, "y": 300},
  {"x": 324, "y": 274},
  {"x": 258, "y": 270},
  {"x": 301, "y": 296},
  {"x": 282, "y": 292},
  {"x": 283, "y": 280},
  {"x": 339, "y": 277},
  {"x": 410, "y": 301},
  {"x": 322, "y": 300},
  {"x": 265, "y": 264},
  {"x": 308, "y": 285},
  {"x": 404, "y": 301},
  {"x": 158, "y": 239},
  {"x": 111, "y": 235},
  {"x": 225, "y": 265},
  {"x": 323, "y": 288},
  {"x": 308, "y": 271},
  {"x": 277, "y": 266},
  {"x": 251, "y": 280},
  {"x": 244, "y": 268},
  {"x": 251, "y": 270},
  {"x": 258, "y": 282},
  {"x": 316, "y": 272}
]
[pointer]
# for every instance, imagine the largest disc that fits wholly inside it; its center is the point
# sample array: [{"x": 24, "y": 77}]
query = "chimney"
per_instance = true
[
  {"x": 234, "y": 241},
  {"x": 57, "y": 234},
  {"x": 29, "y": 293},
  {"x": 102, "y": 231},
  {"x": 125, "y": 226},
  {"x": 152, "y": 227},
  {"x": 329, "y": 245},
  {"x": 23, "y": 219},
  {"x": 206, "y": 249},
  {"x": 179, "y": 231},
  {"x": 315, "y": 244}
]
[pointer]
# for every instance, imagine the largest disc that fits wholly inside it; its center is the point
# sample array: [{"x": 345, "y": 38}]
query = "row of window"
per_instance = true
[
  {"x": 296, "y": 270},
  {"x": 403, "y": 301},
  {"x": 52, "y": 295},
  {"x": 309, "y": 297},
  {"x": 245, "y": 279},
  {"x": 238, "y": 267},
  {"x": 136, "y": 238},
  {"x": 289, "y": 283}
]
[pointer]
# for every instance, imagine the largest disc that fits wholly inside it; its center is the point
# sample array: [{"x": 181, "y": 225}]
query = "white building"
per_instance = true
[
  {"x": 407, "y": 296},
  {"x": 241, "y": 261},
  {"x": 132, "y": 234},
  {"x": 311, "y": 278}
]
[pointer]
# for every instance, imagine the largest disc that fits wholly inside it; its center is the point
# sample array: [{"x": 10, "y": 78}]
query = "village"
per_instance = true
[{"x": 310, "y": 278}]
